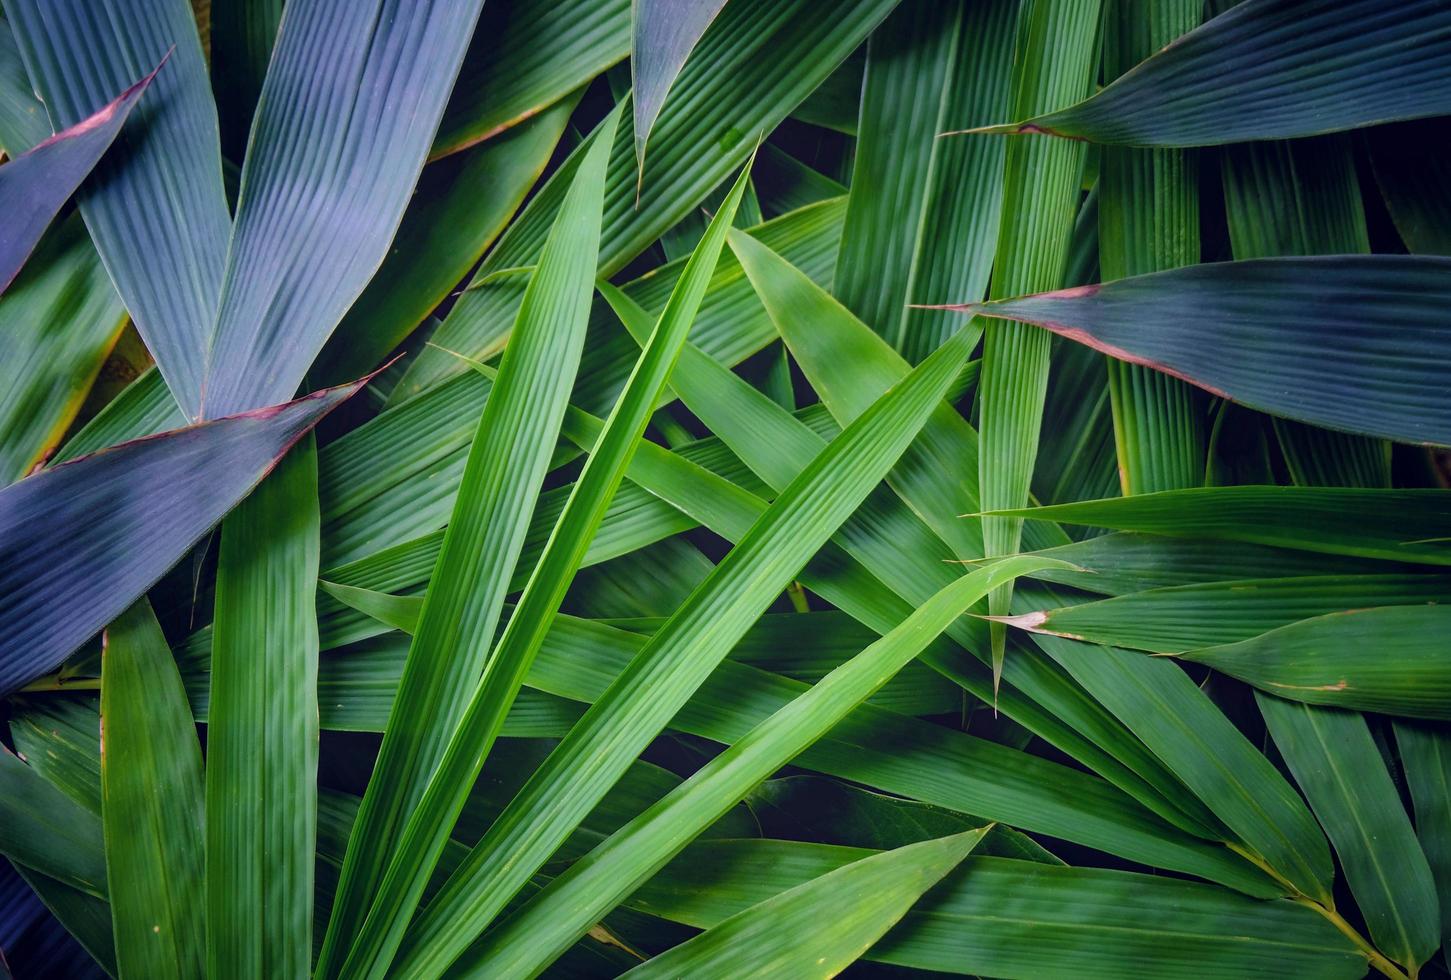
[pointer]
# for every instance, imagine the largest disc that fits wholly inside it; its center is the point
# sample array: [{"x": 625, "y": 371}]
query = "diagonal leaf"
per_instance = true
[
  {"x": 156, "y": 211},
  {"x": 1426, "y": 758},
  {"x": 1338, "y": 765},
  {"x": 59, "y": 320},
  {"x": 1179, "y": 619},
  {"x": 151, "y": 776},
  {"x": 1010, "y": 918},
  {"x": 46, "y": 830},
  {"x": 35, "y": 184},
  {"x": 504, "y": 674},
  {"x": 678, "y": 659},
  {"x": 1273, "y": 69},
  {"x": 1322, "y": 339},
  {"x": 821, "y": 926},
  {"x": 664, "y": 33},
  {"x": 295, "y": 264},
  {"x": 530, "y": 939},
  {"x": 1398, "y": 525},
  {"x": 1383, "y": 659},
  {"x": 61, "y": 581},
  {"x": 506, "y": 466}
]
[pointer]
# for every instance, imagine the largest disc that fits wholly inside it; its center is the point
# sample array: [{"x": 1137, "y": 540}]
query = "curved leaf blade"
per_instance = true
[
  {"x": 61, "y": 581},
  {"x": 35, "y": 185},
  {"x": 1346, "y": 342},
  {"x": 1273, "y": 69}
]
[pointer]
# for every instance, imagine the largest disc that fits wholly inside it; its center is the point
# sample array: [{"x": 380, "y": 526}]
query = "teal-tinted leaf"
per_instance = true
[
  {"x": 23, "y": 122},
  {"x": 62, "y": 574},
  {"x": 820, "y": 926},
  {"x": 151, "y": 775},
  {"x": 1337, "y": 764},
  {"x": 1347, "y": 342},
  {"x": 664, "y": 34},
  {"x": 1385, "y": 659},
  {"x": 295, "y": 264},
  {"x": 35, "y": 184},
  {"x": 1273, "y": 69},
  {"x": 156, "y": 210},
  {"x": 1426, "y": 759}
]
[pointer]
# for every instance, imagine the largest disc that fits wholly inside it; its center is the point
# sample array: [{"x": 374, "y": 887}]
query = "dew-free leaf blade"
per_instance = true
[
  {"x": 1382, "y": 659},
  {"x": 35, "y": 185},
  {"x": 664, "y": 33},
  {"x": 262, "y": 728},
  {"x": 63, "y": 578},
  {"x": 679, "y": 658},
  {"x": 822, "y": 925},
  {"x": 1396, "y": 525},
  {"x": 295, "y": 263},
  {"x": 151, "y": 777},
  {"x": 1273, "y": 69},
  {"x": 509, "y": 662},
  {"x": 156, "y": 210},
  {"x": 1347, "y": 342},
  {"x": 1340, "y": 769},
  {"x": 530, "y": 939},
  {"x": 1425, "y": 752},
  {"x": 507, "y": 462},
  {"x": 48, "y": 831}
]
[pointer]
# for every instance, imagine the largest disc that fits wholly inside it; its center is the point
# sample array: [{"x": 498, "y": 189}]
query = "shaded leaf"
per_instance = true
[{"x": 664, "y": 33}]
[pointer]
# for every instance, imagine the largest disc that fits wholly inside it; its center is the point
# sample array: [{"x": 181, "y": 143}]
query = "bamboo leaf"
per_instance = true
[
  {"x": 678, "y": 659},
  {"x": 1397, "y": 525},
  {"x": 151, "y": 775},
  {"x": 59, "y": 320},
  {"x": 1179, "y": 619},
  {"x": 664, "y": 33},
  {"x": 1009, "y": 918},
  {"x": 1426, "y": 757},
  {"x": 156, "y": 211},
  {"x": 1337, "y": 764},
  {"x": 35, "y": 184},
  {"x": 60, "y": 581},
  {"x": 1379, "y": 659},
  {"x": 1272, "y": 69},
  {"x": 516, "y": 649},
  {"x": 530, "y": 939},
  {"x": 821, "y": 926},
  {"x": 47, "y": 831},
  {"x": 287, "y": 281},
  {"x": 1053, "y": 66},
  {"x": 479, "y": 553},
  {"x": 262, "y": 728},
  {"x": 1330, "y": 335}
]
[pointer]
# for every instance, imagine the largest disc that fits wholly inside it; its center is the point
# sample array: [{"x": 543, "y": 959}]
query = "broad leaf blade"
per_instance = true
[
  {"x": 664, "y": 33},
  {"x": 1384, "y": 659},
  {"x": 821, "y": 926},
  {"x": 35, "y": 185},
  {"x": 151, "y": 776},
  {"x": 295, "y": 266},
  {"x": 1336, "y": 762},
  {"x": 61, "y": 581},
  {"x": 1426, "y": 758},
  {"x": 156, "y": 210},
  {"x": 1273, "y": 69}
]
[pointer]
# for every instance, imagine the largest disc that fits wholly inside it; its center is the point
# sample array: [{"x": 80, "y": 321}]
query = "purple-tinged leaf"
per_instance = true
[
  {"x": 1357, "y": 343},
  {"x": 81, "y": 542},
  {"x": 35, "y": 185}
]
